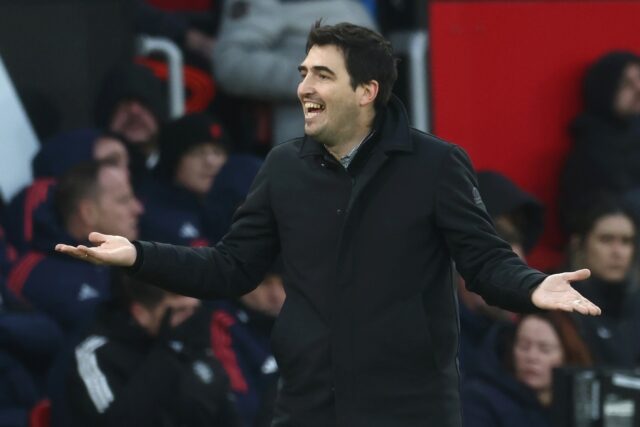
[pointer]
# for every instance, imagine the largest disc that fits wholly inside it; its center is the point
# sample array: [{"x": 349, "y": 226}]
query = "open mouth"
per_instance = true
[{"x": 312, "y": 109}]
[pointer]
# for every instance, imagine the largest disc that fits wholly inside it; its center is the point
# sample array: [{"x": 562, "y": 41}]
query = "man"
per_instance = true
[
  {"x": 132, "y": 103},
  {"x": 145, "y": 362},
  {"x": 91, "y": 196},
  {"x": 58, "y": 155},
  {"x": 367, "y": 214}
]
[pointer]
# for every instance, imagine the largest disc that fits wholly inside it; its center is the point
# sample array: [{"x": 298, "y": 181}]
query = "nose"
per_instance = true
[{"x": 305, "y": 87}]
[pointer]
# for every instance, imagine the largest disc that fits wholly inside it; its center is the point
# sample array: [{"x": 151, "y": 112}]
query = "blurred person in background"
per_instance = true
[
  {"x": 514, "y": 388},
  {"x": 146, "y": 362},
  {"x": 95, "y": 195},
  {"x": 260, "y": 45},
  {"x": 605, "y": 242},
  {"x": 132, "y": 102},
  {"x": 241, "y": 332},
  {"x": 178, "y": 210},
  {"x": 605, "y": 155},
  {"x": 519, "y": 220},
  {"x": 57, "y": 156}
]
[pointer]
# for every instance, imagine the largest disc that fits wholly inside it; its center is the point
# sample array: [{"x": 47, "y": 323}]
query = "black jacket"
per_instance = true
[
  {"x": 368, "y": 332},
  {"x": 122, "y": 376}
]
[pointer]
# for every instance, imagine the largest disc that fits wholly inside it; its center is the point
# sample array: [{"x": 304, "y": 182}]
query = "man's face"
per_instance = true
[
  {"x": 627, "y": 100},
  {"x": 113, "y": 150},
  {"x": 608, "y": 248},
  {"x": 117, "y": 209},
  {"x": 199, "y": 166},
  {"x": 133, "y": 120},
  {"x": 330, "y": 105}
]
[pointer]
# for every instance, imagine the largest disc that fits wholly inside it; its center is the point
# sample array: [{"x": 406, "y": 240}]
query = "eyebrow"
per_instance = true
[{"x": 317, "y": 69}]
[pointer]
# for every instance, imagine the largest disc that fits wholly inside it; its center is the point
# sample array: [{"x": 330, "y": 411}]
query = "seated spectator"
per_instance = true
[
  {"x": 606, "y": 149},
  {"x": 605, "y": 243},
  {"x": 177, "y": 206},
  {"x": 58, "y": 155},
  {"x": 91, "y": 197},
  {"x": 518, "y": 219},
  {"x": 28, "y": 343},
  {"x": 145, "y": 363},
  {"x": 260, "y": 45},
  {"x": 514, "y": 389},
  {"x": 132, "y": 103},
  {"x": 241, "y": 332}
]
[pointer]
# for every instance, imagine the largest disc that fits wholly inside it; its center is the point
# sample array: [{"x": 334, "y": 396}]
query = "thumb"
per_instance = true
[
  {"x": 577, "y": 275},
  {"x": 97, "y": 238}
]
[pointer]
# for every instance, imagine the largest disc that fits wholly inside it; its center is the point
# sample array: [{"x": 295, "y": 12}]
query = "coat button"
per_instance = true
[
  {"x": 339, "y": 211},
  {"x": 323, "y": 164}
]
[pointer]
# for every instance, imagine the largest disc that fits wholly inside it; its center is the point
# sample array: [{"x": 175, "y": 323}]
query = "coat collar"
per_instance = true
[{"x": 391, "y": 126}]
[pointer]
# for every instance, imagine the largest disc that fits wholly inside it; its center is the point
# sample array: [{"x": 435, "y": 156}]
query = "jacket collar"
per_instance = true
[{"x": 391, "y": 129}]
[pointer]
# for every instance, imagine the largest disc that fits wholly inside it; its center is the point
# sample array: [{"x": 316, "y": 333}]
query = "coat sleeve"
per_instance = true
[
  {"x": 486, "y": 262},
  {"x": 233, "y": 267},
  {"x": 98, "y": 394},
  {"x": 247, "y": 56}
]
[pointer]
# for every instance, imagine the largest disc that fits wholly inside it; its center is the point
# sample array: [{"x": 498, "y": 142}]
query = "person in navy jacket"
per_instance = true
[
  {"x": 179, "y": 206},
  {"x": 92, "y": 195},
  {"x": 58, "y": 155},
  {"x": 240, "y": 332}
]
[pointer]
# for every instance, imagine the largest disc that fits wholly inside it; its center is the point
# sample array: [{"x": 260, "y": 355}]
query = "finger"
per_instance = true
[
  {"x": 574, "y": 276},
  {"x": 91, "y": 255},
  {"x": 97, "y": 238}
]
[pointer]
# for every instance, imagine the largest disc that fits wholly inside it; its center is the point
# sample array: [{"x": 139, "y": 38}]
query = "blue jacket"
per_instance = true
[
  {"x": 240, "y": 340},
  {"x": 28, "y": 343},
  {"x": 494, "y": 398},
  {"x": 57, "y": 155},
  {"x": 175, "y": 215},
  {"x": 66, "y": 289}
]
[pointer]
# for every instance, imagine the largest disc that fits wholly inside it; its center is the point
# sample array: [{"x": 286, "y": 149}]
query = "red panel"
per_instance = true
[{"x": 506, "y": 82}]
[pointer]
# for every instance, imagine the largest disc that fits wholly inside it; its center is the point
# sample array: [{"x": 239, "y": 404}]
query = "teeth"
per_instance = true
[{"x": 309, "y": 105}]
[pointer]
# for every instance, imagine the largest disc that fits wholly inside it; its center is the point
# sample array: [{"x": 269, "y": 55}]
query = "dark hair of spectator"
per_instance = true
[
  {"x": 135, "y": 291},
  {"x": 77, "y": 184},
  {"x": 368, "y": 55},
  {"x": 575, "y": 351},
  {"x": 605, "y": 206}
]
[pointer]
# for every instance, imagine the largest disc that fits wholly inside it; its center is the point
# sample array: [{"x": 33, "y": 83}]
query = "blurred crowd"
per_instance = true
[{"x": 83, "y": 344}]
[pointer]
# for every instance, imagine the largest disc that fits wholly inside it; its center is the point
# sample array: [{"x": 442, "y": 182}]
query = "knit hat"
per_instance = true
[
  {"x": 130, "y": 81},
  {"x": 503, "y": 197},
  {"x": 602, "y": 80},
  {"x": 180, "y": 135},
  {"x": 64, "y": 151}
]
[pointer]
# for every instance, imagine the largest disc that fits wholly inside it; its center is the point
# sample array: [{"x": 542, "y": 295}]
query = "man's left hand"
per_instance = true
[{"x": 556, "y": 293}]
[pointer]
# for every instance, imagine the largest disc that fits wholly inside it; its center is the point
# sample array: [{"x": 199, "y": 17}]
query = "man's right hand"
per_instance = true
[{"x": 108, "y": 250}]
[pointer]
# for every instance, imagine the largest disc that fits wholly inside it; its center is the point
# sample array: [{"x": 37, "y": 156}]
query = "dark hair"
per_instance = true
[
  {"x": 136, "y": 291},
  {"x": 79, "y": 183},
  {"x": 368, "y": 55},
  {"x": 604, "y": 206}
]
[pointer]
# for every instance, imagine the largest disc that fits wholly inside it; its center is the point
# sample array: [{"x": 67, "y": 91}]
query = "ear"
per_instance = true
[
  {"x": 88, "y": 212},
  {"x": 368, "y": 92}
]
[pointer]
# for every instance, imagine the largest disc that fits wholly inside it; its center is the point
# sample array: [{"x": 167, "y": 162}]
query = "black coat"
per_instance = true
[{"x": 368, "y": 333}]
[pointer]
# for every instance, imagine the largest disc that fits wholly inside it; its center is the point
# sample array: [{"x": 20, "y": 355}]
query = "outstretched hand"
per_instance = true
[
  {"x": 556, "y": 293},
  {"x": 108, "y": 250}
]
